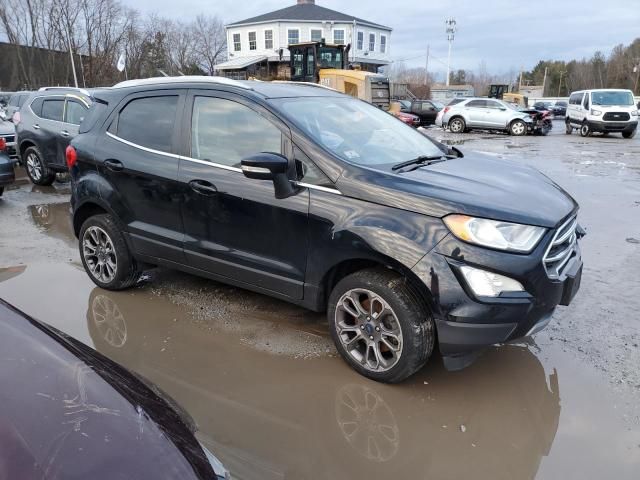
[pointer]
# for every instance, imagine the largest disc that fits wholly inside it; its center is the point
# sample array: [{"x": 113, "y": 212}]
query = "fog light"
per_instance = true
[{"x": 488, "y": 284}]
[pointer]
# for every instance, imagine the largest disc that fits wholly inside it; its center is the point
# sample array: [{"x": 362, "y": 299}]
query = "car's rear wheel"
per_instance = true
[
  {"x": 37, "y": 170},
  {"x": 585, "y": 130},
  {"x": 568, "y": 128},
  {"x": 105, "y": 255},
  {"x": 630, "y": 134},
  {"x": 518, "y": 128},
  {"x": 457, "y": 125},
  {"x": 379, "y": 325}
]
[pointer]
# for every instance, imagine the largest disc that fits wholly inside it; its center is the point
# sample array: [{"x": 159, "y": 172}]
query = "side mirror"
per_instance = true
[{"x": 269, "y": 166}]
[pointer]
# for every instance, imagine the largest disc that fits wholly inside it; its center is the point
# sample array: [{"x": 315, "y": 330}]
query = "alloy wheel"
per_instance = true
[
  {"x": 368, "y": 330},
  {"x": 518, "y": 128},
  {"x": 455, "y": 126},
  {"x": 34, "y": 167},
  {"x": 99, "y": 254}
]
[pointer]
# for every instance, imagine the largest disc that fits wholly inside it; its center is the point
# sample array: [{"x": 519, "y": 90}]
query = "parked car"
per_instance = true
[
  {"x": 543, "y": 106},
  {"x": 46, "y": 124},
  {"x": 560, "y": 108},
  {"x": 455, "y": 101},
  {"x": 542, "y": 120},
  {"x": 324, "y": 201},
  {"x": 604, "y": 111},
  {"x": 8, "y": 134},
  {"x": 426, "y": 110},
  {"x": 395, "y": 109},
  {"x": 81, "y": 415},
  {"x": 16, "y": 100},
  {"x": 486, "y": 114},
  {"x": 7, "y": 173}
]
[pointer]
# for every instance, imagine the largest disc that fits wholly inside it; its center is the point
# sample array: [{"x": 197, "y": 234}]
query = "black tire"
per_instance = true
[
  {"x": 126, "y": 271},
  {"x": 457, "y": 125},
  {"x": 37, "y": 169},
  {"x": 585, "y": 130},
  {"x": 630, "y": 134},
  {"x": 1, "y": 191},
  {"x": 568, "y": 128},
  {"x": 413, "y": 319},
  {"x": 518, "y": 128}
]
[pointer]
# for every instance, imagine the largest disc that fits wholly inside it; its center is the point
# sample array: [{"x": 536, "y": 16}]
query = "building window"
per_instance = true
[
  {"x": 237, "y": 46},
  {"x": 372, "y": 42},
  {"x": 253, "y": 42},
  {"x": 360, "y": 40},
  {"x": 383, "y": 43},
  {"x": 293, "y": 36},
  {"x": 316, "y": 34},
  {"x": 268, "y": 39},
  {"x": 338, "y": 37}
]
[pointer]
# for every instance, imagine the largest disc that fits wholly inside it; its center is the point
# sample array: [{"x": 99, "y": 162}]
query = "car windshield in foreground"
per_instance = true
[
  {"x": 356, "y": 131},
  {"x": 619, "y": 97}
]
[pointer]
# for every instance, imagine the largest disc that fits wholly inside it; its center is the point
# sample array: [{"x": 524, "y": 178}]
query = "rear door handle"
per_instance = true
[
  {"x": 203, "y": 187},
  {"x": 36, "y": 126},
  {"x": 114, "y": 165},
  {"x": 64, "y": 133}
]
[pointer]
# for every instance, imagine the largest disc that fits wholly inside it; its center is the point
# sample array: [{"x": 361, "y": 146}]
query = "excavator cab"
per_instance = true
[
  {"x": 307, "y": 59},
  {"x": 498, "y": 91}
]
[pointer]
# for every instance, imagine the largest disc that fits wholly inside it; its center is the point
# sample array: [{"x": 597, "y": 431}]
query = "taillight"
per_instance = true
[
  {"x": 3, "y": 144},
  {"x": 446, "y": 109},
  {"x": 16, "y": 118},
  {"x": 72, "y": 156}
]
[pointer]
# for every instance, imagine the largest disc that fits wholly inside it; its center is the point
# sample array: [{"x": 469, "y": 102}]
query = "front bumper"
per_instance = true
[
  {"x": 602, "y": 126},
  {"x": 466, "y": 323}
]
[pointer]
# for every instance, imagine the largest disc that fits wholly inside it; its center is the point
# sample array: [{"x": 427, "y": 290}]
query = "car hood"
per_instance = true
[{"x": 476, "y": 184}]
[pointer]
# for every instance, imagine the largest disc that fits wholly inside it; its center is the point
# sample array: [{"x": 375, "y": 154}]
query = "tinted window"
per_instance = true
[
  {"x": 455, "y": 101},
  {"x": 492, "y": 104},
  {"x": 225, "y": 132},
  {"x": 36, "y": 106},
  {"x": 75, "y": 112},
  {"x": 308, "y": 172},
  {"x": 149, "y": 122},
  {"x": 52, "y": 109},
  {"x": 477, "y": 103}
]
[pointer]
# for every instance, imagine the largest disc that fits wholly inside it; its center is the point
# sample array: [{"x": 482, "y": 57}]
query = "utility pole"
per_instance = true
[
  {"x": 426, "y": 69},
  {"x": 560, "y": 82},
  {"x": 73, "y": 65},
  {"x": 451, "y": 32},
  {"x": 544, "y": 80}
]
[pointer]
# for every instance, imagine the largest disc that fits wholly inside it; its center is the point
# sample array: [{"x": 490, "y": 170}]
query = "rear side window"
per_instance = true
[
  {"x": 74, "y": 112},
  {"x": 52, "y": 109},
  {"x": 21, "y": 99},
  {"x": 36, "y": 106},
  {"x": 149, "y": 122},
  {"x": 225, "y": 132},
  {"x": 455, "y": 101},
  {"x": 477, "y": 104}
]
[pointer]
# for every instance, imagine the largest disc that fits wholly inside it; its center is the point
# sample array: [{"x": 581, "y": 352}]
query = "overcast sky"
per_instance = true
[{"x": 504, "y": 33}]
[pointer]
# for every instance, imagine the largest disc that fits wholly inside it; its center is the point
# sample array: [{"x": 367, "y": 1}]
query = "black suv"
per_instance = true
[
  {"x": 45, "y": 125},
  {"x": 323, "y": 200},
  {"x": 426, "y": 110}
]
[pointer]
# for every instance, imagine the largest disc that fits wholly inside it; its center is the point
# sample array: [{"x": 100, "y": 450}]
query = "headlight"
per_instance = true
[
  {"x": 595, "y": 112},
  {"x": 634, "y": 113},
  {"x": 494, "y": 234},
  {"x": 489, "y": 284}
]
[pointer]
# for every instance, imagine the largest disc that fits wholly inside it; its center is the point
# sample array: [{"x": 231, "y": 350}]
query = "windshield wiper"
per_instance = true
[{"x": 421, "y": 160}]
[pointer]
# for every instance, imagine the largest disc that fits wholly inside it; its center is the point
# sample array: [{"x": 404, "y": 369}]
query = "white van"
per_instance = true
[{"x": 604, "y": 110}]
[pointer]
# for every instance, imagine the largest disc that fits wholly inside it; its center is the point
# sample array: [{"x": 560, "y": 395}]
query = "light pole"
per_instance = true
[{"x": 451, "y": 33}]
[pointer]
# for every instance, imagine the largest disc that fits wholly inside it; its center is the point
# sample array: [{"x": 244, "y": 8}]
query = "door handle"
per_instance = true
[
  {"x": 114, "y": 165},
  {"x": 203, "y": 187},
  {"x": 36, "y": 126},
  {"x": 64, "y": 133}
]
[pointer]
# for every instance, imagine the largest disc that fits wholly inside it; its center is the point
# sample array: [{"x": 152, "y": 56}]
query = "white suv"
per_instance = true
[{"x": 604, "y": 111}]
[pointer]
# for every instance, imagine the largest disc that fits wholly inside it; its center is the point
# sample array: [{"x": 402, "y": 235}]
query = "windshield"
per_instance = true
[
  {"x": 615, "y": 97},
  {"x": 356, "y": 131}
]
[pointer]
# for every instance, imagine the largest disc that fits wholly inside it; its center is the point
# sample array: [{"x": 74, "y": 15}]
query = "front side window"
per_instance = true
[
  {"x": 293, "y": 36},
  {"x": 372, "y": 42},
  {"x": 308, "y": 172},
  {"x": 149, "y": 122},
  {"x": 225, "y": 132},
  {"x": 356, "y": 131},
  {"x": 74, "y": 112},
  {"x": 360, "y": 44},
  {"x": 53, "y": 109},
  {"x": 316, "y": 35},
  {"x": 338, "y": 37},
  {"x": 237, "y": 44},
  {"x": 253, "y": 42},
  {"x": 493, "y": 104},
  {"x": 268, "y": 39},
  {"x": 383, "y": 43}
]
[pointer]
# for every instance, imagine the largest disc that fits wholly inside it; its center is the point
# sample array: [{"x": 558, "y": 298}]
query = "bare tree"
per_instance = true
[{"x": 210, "y": 42}]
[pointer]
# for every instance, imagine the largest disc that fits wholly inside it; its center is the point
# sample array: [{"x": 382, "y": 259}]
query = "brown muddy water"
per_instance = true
[{"x": 272, "y": 399}]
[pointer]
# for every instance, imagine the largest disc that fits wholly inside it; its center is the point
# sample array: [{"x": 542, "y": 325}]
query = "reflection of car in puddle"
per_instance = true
[
  {"x": 275, "y": 417},
  {"x": 54, "y": 220}
]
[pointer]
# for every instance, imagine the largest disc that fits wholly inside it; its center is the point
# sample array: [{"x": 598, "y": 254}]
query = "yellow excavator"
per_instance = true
[{"x": 327, "y": 65}]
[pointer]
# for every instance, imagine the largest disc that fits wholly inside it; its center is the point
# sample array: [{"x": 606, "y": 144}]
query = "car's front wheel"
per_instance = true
[
  {"x": 105, "y": 255},
  {"x": 457, "y": 125},
  {"x": 518, "y": 128},
  {"x": 37, "y": 170},
  {"x": 379, "y": 325},
  {"x": 630, "y": 134}
]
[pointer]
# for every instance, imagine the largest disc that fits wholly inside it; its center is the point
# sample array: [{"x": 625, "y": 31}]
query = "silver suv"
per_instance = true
[{"x": 486, "y": 114}]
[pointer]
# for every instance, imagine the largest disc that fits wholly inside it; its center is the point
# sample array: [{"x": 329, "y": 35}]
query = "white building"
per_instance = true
[{"x": 258, "y": 45}]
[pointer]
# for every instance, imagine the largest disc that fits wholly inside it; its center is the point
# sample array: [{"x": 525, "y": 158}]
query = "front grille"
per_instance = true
[
  {"x": 9, "y": 138},
  {"x": 561, "y": 248},
  {"x": 616, "y": 116}
]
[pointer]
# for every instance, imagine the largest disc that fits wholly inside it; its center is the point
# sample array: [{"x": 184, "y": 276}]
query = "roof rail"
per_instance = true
[
  {"x": 182, "y": 79},
  {"x": 74, "y": 89},
  {"x": 309, "y": 84}
]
